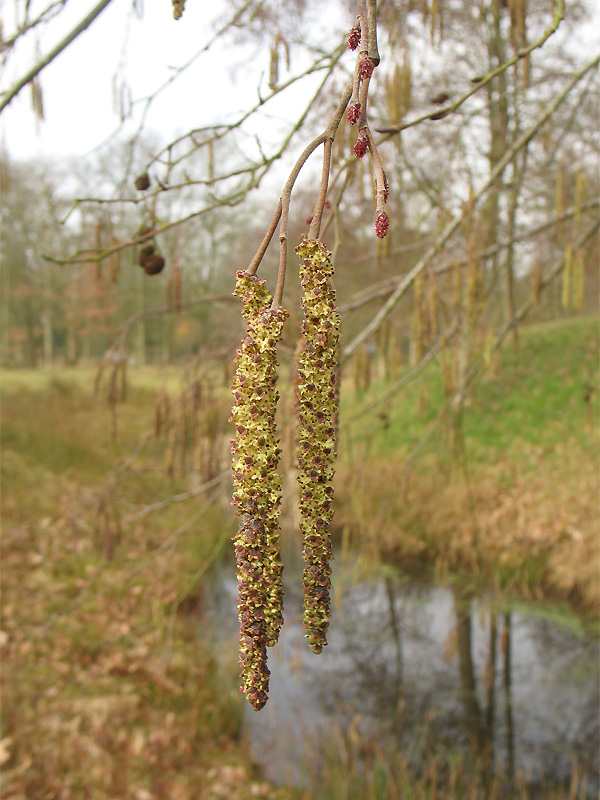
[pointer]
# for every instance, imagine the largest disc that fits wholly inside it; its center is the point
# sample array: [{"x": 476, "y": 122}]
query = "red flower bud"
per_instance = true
[
  {"x": 354, "y": 37},
  {"x": 353, "y": 113},
  {"x": 365, "y": 68},
  {"x": 362, "y": 145},
  {"x": 382, "y": 224}
]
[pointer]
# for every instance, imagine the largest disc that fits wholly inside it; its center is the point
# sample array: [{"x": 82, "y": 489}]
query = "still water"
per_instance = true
[{"x": 419, "y": 667}]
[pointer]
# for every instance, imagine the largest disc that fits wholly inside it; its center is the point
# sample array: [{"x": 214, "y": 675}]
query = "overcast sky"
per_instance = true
[{"x": 78, "y": 86}]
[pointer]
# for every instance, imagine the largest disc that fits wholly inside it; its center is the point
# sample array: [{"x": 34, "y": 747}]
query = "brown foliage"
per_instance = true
[{"x": 532, "y": 524}]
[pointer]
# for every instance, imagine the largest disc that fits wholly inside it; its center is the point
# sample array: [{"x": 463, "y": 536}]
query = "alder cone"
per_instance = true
[
  {"x": 145, "y": 253},
  {"x": 142, "y": 182},
  {"x": 154, "y": 264}
]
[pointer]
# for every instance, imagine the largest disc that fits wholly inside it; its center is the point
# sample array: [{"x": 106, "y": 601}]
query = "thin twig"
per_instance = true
[
  {"x": 454, "y": 223},
  {"x": 385, "y": 288},
  {"x": 257, "y": 173},
  {"x": 409, "y": 375},
  {"x": 315, "y": 225},
  {"x": 85, "y": 23},
  {"x": 177, "y": 498},
  {"x": 391, "y": 130},
  {"x": 254, "y": 264},
  {"x": 44, "y": 16},
  {"x": 477, "y": 365},
  {"x": 168, "y": 309},
  {"x": 328, "y": 133},
  {"x": 372, "y": 49}
]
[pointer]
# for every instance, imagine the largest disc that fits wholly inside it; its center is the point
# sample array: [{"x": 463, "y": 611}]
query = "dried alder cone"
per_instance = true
[
  {"x": 150, "y": 260},
  {"x": 317, "y": 401},
  {"x": 257, "y": 485},
  {"x": 142, "y": 182}
]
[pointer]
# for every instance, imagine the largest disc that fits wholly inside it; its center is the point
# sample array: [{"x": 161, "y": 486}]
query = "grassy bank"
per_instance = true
[
  {"x": 110, "y": 688},
  {"x": 517, "y": 502}
]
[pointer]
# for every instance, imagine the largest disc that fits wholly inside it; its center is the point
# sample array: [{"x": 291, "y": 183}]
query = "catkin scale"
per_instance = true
[
  {"x": 317, "y": 410},
  {"x": 257, "y": 485}
]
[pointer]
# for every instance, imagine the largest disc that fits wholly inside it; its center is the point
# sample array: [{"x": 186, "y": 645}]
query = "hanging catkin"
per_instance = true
[
  {"x": 316, "y": 435},
  {"x": 257, "y": 485}
]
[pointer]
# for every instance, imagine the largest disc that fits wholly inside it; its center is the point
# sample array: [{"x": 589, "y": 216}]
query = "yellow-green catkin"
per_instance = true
[
  {"x": 178, "y": 8},
  {"x": 578, "y": 288},
  {"x": 317, "y": 375},
  {"x": 566, "y": 278},
  {"x": 257, "y": 485}
]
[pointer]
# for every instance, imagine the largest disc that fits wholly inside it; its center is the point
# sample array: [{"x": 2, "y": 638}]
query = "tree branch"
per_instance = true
[
  {"x": 483, "y": 80},
  {"x": 328, "y": 133},
  {"x": 47, "y": 59},
  {"x": 454, "y": 224}
]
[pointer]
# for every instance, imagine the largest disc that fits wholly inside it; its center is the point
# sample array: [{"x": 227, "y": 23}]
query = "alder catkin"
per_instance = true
[
  {"x": 257, "y": 485},
  {"x": 317, "y": 394}
]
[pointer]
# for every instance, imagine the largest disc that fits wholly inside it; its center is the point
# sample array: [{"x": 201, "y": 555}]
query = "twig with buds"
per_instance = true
[
  {"x": 255, "y": 449},
  {"x": 365, "y": 32}
]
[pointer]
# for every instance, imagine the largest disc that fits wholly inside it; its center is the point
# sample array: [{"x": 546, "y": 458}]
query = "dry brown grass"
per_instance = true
[
  {"x": 535, "y": 526},
  {"x": 110, "y": 688}
]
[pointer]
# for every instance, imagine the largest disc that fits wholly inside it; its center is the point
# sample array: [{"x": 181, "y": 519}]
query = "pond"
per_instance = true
[{"x": 419, "y": 669}]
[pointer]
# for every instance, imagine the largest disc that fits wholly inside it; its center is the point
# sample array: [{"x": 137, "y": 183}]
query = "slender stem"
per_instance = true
[
  {"x": 455, "y": 222},
  {"x": 372, "y": 49},
  {"x": 363, "y": 99},
  {"x": 49, "y": 57},
  {"x": 379, "y": 173},
  {"x": 335, "y": 211},
  {"x": 386, "y": 287},
  {"x": 286, "y": 195},
  {"x": 315, "y": 225},
  {"x": 363, "y": 22},
  {"x": 46, "y": 15},
  {"x": 254, "y": 264}
]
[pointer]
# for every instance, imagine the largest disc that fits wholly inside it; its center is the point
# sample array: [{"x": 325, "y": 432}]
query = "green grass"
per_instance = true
[
  {"x": 537, "y": 400},
  {"x": 118, "y": 628},
  {"x": 519, "y": 503}
]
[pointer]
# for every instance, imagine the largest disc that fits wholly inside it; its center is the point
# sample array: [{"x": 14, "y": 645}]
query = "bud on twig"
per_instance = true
[
  {"x": 353, "y": 113},
  {"x": 362, "y": 144},
  {"x": 382, "y": 224},
  {"x": 354, "y": 37}
]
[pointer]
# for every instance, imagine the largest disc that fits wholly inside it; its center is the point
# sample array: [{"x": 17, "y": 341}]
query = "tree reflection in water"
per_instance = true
[{"x": 423, "y": 675}]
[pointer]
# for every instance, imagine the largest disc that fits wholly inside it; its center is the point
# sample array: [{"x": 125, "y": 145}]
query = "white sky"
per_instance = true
[{"x": 78, "y": 85}]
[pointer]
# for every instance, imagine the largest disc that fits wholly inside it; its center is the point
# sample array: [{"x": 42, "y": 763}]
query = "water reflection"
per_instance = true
[{"x": 421, "y": 668}]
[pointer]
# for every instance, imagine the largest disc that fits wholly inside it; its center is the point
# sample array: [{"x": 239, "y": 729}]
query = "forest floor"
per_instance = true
[{"x": 108, "y": 691}]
